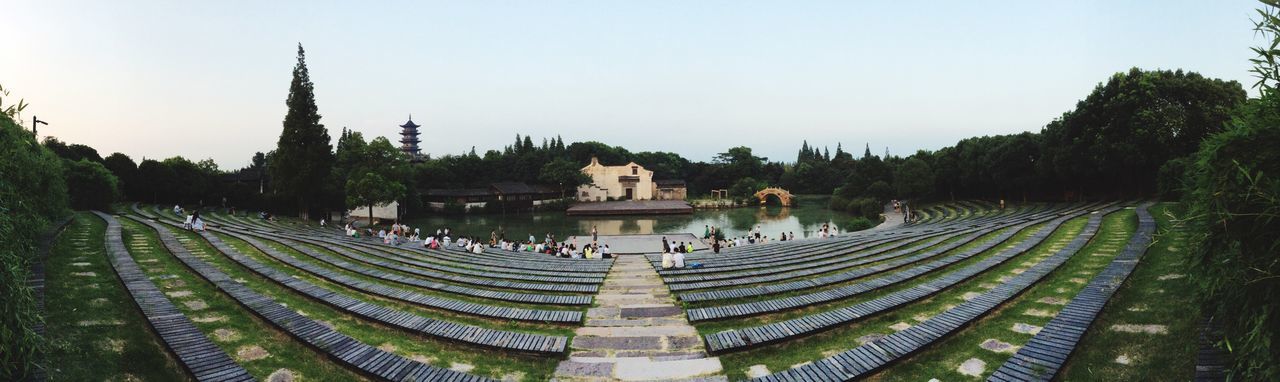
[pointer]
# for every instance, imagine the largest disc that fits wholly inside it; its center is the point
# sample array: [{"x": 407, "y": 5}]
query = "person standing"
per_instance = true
[
  {"x": 595, "y": 234},
  {"x": 666, "y": 247}
]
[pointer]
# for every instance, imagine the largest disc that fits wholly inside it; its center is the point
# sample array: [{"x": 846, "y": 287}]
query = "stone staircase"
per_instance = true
[{"x": 637, "y": 333}]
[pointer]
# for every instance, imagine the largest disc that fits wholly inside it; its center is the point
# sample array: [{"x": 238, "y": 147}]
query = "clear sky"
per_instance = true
[{"x": 208, "y": 79}]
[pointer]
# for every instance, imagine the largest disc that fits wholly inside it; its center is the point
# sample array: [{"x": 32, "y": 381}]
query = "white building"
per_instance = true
[{"x": 627, "y": 182}]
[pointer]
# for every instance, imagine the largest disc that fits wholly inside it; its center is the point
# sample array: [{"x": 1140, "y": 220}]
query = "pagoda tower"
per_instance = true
[{"x": 409, "y": 139}]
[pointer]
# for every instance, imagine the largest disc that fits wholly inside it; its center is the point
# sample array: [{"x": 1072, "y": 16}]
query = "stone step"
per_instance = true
[
  {"x": 643, "y": 369},
  {"x": 604, "y": 322},
  {"x": 651, "y": 311},
  {"x": 638, "y": 331}
]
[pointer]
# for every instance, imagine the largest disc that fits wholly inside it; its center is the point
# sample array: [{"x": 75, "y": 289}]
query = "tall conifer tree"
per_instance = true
[{"x": 304, "y": 156}]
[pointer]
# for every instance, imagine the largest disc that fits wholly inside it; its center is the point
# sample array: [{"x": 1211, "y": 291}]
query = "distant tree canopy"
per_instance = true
[
  {"x": 1113, "y": 144},
  {"x": 1118, "y": 137}
]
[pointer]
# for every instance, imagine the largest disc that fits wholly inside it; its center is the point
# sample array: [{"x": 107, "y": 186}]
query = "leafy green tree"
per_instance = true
[
  {"x": 739, "y": 162},
  {"x": 91, "y": 185},
  {"x": 1132, "y": 124},
  {"x": 379, "y": 175},
  {"x": 303, "y": 156},
  {"x": 913, "y": 179},
  {"x": 126, "y": 171},
  {"x": 563, "y": 173},
  {"x": 371, "y": 188},
  {"x": 746, "y": 188}
]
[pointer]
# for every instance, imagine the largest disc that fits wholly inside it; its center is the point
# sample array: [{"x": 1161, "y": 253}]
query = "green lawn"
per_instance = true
[
  {"x": 94, "y": 329},
  {"x": 943, "y": 358},
  {"x": 224, "y": 313},
  {"x": 435, "y": 352},
  {"x": 785, "y": 355},
  {"x": 1146, "y": 299}
]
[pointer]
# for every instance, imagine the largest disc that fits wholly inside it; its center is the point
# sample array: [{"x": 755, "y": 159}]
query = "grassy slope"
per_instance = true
[
  {"x": 440, "y": 353},
  {"x": 941, "y": 360},
  {"x": 1167, "y": 357},
  {"x": 173, "y": 276},
  {"x": 81, "y": 353},
  {"x": 784, "y": 355}
]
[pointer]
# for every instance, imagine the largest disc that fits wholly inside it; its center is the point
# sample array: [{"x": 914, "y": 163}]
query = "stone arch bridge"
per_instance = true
[{"x": 784, "y": 196}]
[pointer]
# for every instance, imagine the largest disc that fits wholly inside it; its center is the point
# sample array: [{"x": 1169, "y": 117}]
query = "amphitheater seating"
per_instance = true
[
  {"x": 195, "y": 352},
  {"x": 874, "y": 355},
  {"x": 1047, "y": 352},
  {"x": 367, "y": 359}
]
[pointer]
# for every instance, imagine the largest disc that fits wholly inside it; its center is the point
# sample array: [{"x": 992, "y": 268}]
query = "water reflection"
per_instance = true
[{"x": 804, "y": 220}]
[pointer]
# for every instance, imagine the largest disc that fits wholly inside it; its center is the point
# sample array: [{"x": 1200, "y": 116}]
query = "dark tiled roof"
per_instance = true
[
  {"x": 457, "y": 192},
  {"x": 669, "y": 183},
  {"x": 512, "y": 188}
]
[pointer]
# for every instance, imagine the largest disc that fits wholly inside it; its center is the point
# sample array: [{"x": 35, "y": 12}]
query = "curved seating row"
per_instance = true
[
  {"x": 1042, "y": 357},
  {"x": 383, "y": 253},
  {"x": 839, "y": 293},
  {"x": 768, "y": 255},
  {"x": 190, "y": 347},
  {"x": 451, "y": 276},
  {"x": 823, "y": 296},
  {"x": 738, "y": 339},
  {"x": 369, "y": 360},
  {"x": 544, "y": 265},
  {"x": 458, "y": 306},
  {"x": 874, "y": 355},
  {"x": 439, "y": 286},
  {"x": 789, "y": 269},
  {"x": 407, "y": 321}
]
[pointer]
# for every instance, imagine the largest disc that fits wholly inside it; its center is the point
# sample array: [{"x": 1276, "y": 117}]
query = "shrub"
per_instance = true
[
  {"x": 1234, "y": 207},
  {"x": 857, "y": 224},
  {"x": 32, "y": 193},
  {"x": 1170, "y": 178},
  {"x": 454, "y": 208},
  {"x": 91, "y": 185},
  {"x": 870, "y": 208}
]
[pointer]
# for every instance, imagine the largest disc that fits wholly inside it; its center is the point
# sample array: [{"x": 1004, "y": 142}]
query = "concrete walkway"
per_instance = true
[
  {"x": 892, "y": 218},
  {"x": 637, "y": 332}
]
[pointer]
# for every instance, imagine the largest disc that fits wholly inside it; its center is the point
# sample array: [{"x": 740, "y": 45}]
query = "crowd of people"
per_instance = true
[
  {"x": 673, "y": 252},
  {"x": 400, "y": 234}
]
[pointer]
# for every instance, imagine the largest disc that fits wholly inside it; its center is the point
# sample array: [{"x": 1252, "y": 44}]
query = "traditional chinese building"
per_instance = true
[
  {"x": 409, "y": 140},
  {"x": 626, "y": 182}
]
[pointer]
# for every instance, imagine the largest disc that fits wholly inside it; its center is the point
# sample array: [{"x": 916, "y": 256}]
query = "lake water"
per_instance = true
[{"x": 804, "y": 220}]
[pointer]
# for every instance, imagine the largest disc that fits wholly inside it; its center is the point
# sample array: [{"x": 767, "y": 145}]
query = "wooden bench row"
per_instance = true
[
  {"x": 510, "y": 313},
  {"x": 847, "y": 291},
  {"x": 493, "y": 269},
  {"x": 462, "y": 290},
  {"x": 761, "y": 307},
  {"x": 510, "y": 264},
  {"x": 740, "y": 339},
  {"x": 796, "y": 301},
  {"x": 192, "y": 349},
  {"x": 359, "y": 356},
  {"x": 569, "y": 265},
  {"x": 780, "y": 253},
  {"x": 377, "y": 256},
  {"x": 1045, "y": 354},
  {"x": 407, "y": 321},
  {"x": 870, "y": 357},
  {"x": 805, "y": 272}
]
